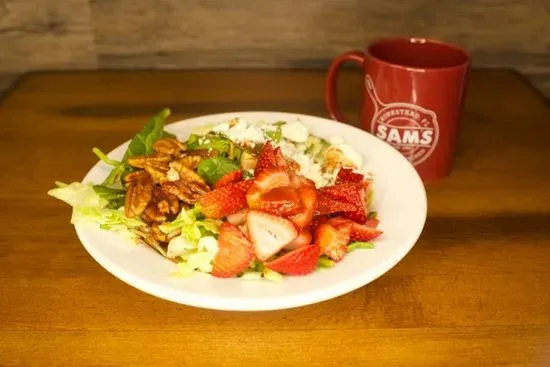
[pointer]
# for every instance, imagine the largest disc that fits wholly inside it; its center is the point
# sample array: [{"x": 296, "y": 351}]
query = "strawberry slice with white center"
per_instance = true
[
  {"x": 269, "y": 233},
  {"x": 301, "y": 261},
  {"x": 303, "y": 239},
  {"x": 332, "y": 241},
  {"x": 234, "y": 252}
]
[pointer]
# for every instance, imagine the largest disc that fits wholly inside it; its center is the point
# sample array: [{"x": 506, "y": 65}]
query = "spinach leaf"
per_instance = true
[
  {"x": 212, "y": 169},
  {"x": 142, "y": 142},
  {"x": 114, "y": 196},
  {"x": 360, "y": 245}
]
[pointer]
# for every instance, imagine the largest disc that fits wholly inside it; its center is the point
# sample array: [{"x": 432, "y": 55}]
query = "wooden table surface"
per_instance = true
[{"x": 474, "y": 291}]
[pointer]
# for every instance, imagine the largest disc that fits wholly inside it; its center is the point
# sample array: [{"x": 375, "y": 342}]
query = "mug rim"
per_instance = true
[{"x": 437, "y": 42}]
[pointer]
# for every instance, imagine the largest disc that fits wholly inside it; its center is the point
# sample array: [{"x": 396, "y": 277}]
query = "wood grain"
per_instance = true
[
  {"x": 194, "y": 34},
  {"x": 37, "y": 34},
  {"x": 474, "y": 291}
]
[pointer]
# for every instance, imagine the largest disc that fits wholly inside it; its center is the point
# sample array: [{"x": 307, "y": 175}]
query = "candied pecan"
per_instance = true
[
  {"x": 138, "y": 194},
  {"x": 158, "y": 234},
  {"x": 189, "y": 161},
  {"x": 165, "y": 202},
  {"x": 152, "y": 214},
  {"x": 140, "y": 161},
  {"x": 181, "y": 190},
  {"x": 169, "y": 146},
  {"x": 190, "y": 176},
  {"x": 157, "y": 170}
]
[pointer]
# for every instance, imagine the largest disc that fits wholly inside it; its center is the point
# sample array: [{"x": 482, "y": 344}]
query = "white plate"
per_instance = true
[{"x": 399, "y": 199}]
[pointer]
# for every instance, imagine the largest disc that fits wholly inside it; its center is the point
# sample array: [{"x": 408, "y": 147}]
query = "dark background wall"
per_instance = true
[{"x": 163, "y": 34}]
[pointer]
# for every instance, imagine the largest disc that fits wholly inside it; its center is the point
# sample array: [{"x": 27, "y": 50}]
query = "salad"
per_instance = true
[{"x": 250, "y": 199}]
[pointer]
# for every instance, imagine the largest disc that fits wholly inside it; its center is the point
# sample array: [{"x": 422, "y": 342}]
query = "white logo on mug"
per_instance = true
[{"x": 411, "y": 129}]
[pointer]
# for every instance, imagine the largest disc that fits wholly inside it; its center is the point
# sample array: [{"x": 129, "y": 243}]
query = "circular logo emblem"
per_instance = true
[{"x": 411, "y": 129}]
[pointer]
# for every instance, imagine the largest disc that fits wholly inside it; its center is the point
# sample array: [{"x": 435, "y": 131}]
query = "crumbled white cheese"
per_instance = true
[
  {"x": 308, "y": 168},
  {"x": 221, "y": 128},
  {"x": 241, "y": 132},
  {"x": 295, "y": 131}
]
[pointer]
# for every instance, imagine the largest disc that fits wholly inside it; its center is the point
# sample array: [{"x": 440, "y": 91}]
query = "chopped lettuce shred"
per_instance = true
[
  {"x": 90, "y": 207},
  {"x": 196, "y": 246}
]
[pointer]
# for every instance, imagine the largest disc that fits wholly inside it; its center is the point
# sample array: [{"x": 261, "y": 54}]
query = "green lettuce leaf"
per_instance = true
[
  {"x": 212, "y": 169},
  {"x": 114, "y": 196},
  {"x": 360, "y": 245},
  {"x": 90, "y": 207},
  {"x": 325, "y": 262}
]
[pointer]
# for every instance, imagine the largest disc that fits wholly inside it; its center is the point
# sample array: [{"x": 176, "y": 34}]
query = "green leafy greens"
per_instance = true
[
  {"x": 141, "y": 143},
  {"x": 360, "y": 245},
  {"x": 212, "y": 169},
  {"x": 277, "y": 134}
]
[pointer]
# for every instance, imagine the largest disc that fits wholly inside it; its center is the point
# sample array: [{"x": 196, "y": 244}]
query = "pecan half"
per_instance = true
[
  {"x": 140, "y": 161},
  {"x": 158, "y": 234},
  {"x": 157, "y": 170},
  {"x": 189, "y": 161},
  {"x": 169, "y": 146},
  {"x": 193, "y": 179},
  {"x": 138, "y": 194},
  {"x": 181, "y": 190}
]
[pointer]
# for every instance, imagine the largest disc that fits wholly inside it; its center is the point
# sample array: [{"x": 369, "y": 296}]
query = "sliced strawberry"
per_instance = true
[
  {"x": 303, "y": 239},
  {"x": 267, "y": 180},
  {"x": 233, "y": 176},
  {"x": 269, "y": 233},
  {"x": 347, "y": 175},
  {"x": 238, "y": 218},
  {"x": 332, "y": 241},
  {"x": 280, "y": 160},
  {"x": 297, "y": 181},
  {"x": 317, "y": 221},
  {"x": 337, "y": 221},
  {"x": 329, "y": 205},
  {"x": 234, "y": 252},
  {"x": 308, "y": 197},
  {"x": 254, "y": 197},
  {"x": 266, "y": 159},
  {"x": 227, "y": 200},
  {"x": 296, "y": 262},
  {"x": 271, "y": 178},
  {"x": 372, "y": 222},
  {"x": 361, "y": 232},
  {"x": 351, "y": 193},
  {"x": 281, "y": 201}
]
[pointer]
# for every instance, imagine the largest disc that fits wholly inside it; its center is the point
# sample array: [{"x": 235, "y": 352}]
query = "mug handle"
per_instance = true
[{"x": 331, "y": 99}]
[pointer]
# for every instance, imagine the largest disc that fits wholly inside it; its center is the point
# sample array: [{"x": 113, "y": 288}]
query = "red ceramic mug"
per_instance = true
[{"x": 413, "y": 98}]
